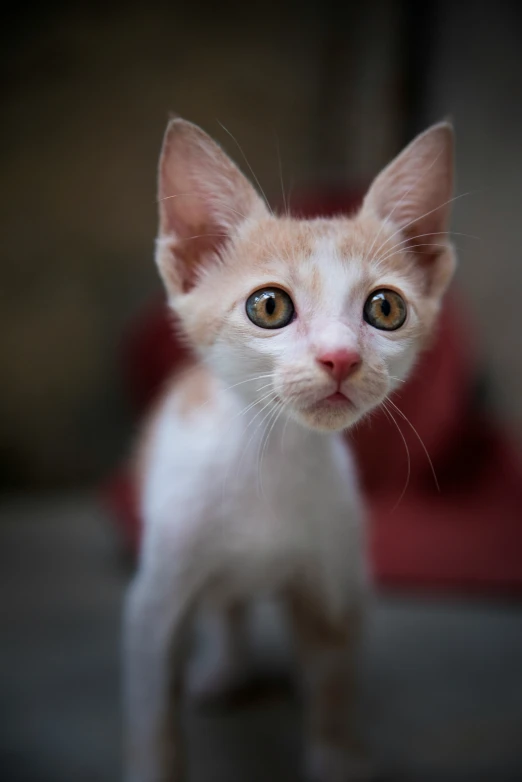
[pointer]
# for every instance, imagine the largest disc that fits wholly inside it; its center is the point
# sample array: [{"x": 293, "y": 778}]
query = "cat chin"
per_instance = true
[{"x": 327, "y": 418}]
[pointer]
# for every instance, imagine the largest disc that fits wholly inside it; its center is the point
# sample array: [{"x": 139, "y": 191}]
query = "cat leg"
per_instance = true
[
  {"x": 225, "y": 668},
  {"x": 327, "y": 650},
  {"x": 158, "y": 610}
]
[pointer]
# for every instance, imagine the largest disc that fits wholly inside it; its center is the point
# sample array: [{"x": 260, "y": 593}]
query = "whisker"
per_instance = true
[
  {"x": 225, "y": 236},
  {"x": 254, "y": 403},
  {"x": 281, "y": 174},
  {"x": 278, "y": 408},
  {"x": 250, "y": 380},
  {"x": 198, "y": 195},
  {"x": 254, "y": 418},
  {"x": 403, "y": 243},
  {"x": 399, "y": 203},
  {"x": 257, "y": 401},
  {"x": 236, "y": 142},
  {"x": 289, "y": 196},
  {"x": 241, "y": 382},
  {"x": 426, "y": 214},
  {"x": 283, "y": 433},
  {"x": 245, "y": 448},
  {"x": 420, "y": 236},
  {"x": 420, "y": 441},
  {"x": 389, "y": 415},
  {"x": 397, "y": 251}
]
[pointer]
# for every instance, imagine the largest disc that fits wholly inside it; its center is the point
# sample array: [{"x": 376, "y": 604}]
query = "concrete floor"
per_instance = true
[{"x": 441, "y": 681}]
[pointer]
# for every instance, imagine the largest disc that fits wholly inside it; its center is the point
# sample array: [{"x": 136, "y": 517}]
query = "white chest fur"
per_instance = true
[{"x": 254, "y": 507}]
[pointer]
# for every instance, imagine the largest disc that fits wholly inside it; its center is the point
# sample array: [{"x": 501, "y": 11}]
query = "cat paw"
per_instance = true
[{"x": 332, "y": 764}]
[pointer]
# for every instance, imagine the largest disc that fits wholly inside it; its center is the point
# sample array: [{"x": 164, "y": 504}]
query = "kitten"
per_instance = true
[{"x": 300, "y": 328}]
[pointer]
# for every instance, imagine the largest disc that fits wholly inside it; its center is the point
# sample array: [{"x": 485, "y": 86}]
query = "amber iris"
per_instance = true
[
  {"x": 270, "y": 308},
  {"x": 385, "y": 309}
]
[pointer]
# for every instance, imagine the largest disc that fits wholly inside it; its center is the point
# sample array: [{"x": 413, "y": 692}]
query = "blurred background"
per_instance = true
[
  {"x": 338, "y": 87},
  {"x": 322, "y": 93}
]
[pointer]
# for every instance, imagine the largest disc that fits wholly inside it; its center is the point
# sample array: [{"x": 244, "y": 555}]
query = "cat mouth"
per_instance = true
[
  {"x": 332, "y": 413},
  {"x": 335, "y": 406},
  {"x": 337, "y": 400}
]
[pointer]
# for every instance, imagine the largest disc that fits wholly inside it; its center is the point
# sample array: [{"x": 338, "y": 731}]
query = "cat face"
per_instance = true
[{"x": 321, "y": 318}]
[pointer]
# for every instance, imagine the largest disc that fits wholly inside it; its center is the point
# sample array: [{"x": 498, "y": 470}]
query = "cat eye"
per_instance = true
[
  {"x": 270, "y": 308},
  {"x": 385, "y": 310}
]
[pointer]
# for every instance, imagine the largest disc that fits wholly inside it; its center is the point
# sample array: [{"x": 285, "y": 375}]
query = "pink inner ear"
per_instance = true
[
  {"x": 196, "y": 236},
  {"x": 203, "y": 197},
  {"x": 415, "y": 190},
  {"x": 190, "y": 253}
]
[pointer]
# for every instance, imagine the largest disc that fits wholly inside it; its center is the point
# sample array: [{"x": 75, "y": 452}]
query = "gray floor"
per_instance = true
[{"x": 441, "y": 681}]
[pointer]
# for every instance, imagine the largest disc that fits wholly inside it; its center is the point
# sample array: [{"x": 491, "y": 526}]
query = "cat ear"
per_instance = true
[
  {"x": 203, "y": 198},
  {"x": 414, "y": 193}
]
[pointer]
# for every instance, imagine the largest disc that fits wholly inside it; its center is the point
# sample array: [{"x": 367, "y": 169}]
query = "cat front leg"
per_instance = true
[
  {"x": 158, "y": 610},
  {"x": 228, "y": 668},
  {"x": 327, "y": 649}
]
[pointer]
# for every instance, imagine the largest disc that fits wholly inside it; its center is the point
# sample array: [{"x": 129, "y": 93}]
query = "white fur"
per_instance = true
[
  {"x": 257, "y": 509},
  {"x": 232, "y": 515}
]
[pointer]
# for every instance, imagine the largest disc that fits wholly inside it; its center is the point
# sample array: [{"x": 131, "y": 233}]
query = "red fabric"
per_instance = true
[{"x": 465, "y": 538}]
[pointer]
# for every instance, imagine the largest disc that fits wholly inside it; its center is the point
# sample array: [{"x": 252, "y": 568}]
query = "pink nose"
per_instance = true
[{"x": 339, "y": 363}]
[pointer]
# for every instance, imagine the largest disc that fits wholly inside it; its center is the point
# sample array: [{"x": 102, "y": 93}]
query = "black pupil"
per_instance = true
[
  {"x": 270, "y": 305},
  {"x": 385, "y": 307}
]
